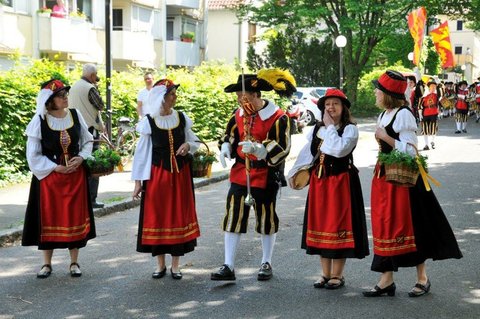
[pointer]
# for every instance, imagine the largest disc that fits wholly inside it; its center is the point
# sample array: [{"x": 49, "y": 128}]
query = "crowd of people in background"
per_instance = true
[{"x": 435, "y": 100}]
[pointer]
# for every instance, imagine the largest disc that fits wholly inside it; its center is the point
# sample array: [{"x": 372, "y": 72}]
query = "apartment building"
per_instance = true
[{"x": 146, "y": 33}]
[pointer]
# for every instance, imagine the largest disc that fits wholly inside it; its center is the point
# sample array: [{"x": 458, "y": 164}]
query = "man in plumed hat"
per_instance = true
[
  {"x": 257, "y": 137},
  {"x": 428, "y": 112}
]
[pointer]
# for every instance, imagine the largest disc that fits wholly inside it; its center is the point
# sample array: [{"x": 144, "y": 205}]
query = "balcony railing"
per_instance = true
[
  {"x": 135, "y": 46},
  {"x": 185, "y": 4},
  {"x": 65, "y": 35},
  {"x": 182, "y": 53}
]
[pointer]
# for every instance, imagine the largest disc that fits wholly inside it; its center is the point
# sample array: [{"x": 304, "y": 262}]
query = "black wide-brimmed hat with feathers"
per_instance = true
[{"x": 281, "y": 81}]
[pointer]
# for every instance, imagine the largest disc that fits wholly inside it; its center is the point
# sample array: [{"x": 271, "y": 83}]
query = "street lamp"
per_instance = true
[
  {"x": 341, "y": 42},
  {"x": 463, "y": 67}
]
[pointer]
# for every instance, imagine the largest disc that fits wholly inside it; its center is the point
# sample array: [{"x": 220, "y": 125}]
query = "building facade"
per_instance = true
[{"x": 146, "y": 33}]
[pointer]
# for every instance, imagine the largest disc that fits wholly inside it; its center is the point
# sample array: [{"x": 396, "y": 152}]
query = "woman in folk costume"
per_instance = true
[
  {"x": 428, "y": 112},
  {"x": 168, "y": 219},
  {"x": 408, "y": 223},
  {"x": 461, "y": 107},
  {"x": 334, "y": 222},
  {"x": 59, "y": 213},
  {"x": 258, "y": 137},
  {"x": 477, "y": 100}
]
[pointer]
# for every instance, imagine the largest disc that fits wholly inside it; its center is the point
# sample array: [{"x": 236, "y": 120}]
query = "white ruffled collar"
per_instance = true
[
  {"x": 60, "y": 123},
  {"x": 167, "y": 122}
]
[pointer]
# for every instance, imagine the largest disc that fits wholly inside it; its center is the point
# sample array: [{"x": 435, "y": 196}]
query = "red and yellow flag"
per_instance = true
[
  {"x": 441, "y": 39},
  {"x": 416, "y": 24}
]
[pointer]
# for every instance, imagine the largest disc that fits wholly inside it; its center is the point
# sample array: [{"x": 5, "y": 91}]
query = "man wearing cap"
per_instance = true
[
  {"x": 461, "y": 107},
  {"x": 84, "y": 96},
  {"x": 428, "y": 113},
  {"x": 258, "y": 138},
  {"x": 448, "y": 98}
]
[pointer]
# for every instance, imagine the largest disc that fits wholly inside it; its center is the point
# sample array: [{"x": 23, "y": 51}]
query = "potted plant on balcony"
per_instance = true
[
  {"x": 187, "y": 37},
  {"x": 78, "y": 15},
  {"x": 44, "y": 12}
]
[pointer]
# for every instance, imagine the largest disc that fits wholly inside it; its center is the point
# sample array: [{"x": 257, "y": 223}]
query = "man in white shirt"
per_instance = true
[{"x": 143, "y": 95}]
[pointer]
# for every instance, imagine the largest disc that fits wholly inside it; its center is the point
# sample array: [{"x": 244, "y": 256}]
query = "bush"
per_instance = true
[{"x": 200, "y": 96}]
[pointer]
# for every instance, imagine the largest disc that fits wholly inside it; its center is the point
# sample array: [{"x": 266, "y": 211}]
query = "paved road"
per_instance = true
[{"x": 116, "y": 281}]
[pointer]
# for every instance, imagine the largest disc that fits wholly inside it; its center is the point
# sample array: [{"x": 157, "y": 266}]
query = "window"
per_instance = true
[
  {"x": 169, "y": 29},
  {"x": 458, "y": 50},
  {"x": 459, "y": 25},
  {"x": 85, "y": 6},
  {"x": 141, "y": 19},
  {"x": 20, "y": 6},
  {"x": 157, "y": 25},
  {"x": 8, "y": 3},
  {"x": 117, "y": 19}
]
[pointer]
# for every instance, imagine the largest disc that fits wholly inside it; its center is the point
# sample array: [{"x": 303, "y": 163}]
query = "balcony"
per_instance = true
[
  {"x": 182, "y": 53},
  {"x": 65, "y": 35},
  {"x": 184, "y": 4},
  {"x": 133, "y": 46}
]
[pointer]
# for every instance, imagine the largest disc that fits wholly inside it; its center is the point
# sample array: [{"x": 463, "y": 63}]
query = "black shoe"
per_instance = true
[
  {"x": 265, "y": 272},
  {"x": 159, "y": 274},
  {"x": 75, "y": 271},
  {"x": 458, "y": 132},
  {"x": 423, "y": 289},
  {"x": 45, "y": 273},
  {"x": 478, "y": 119},
  {"x": 97, "y": 205},
  {"x": 433, "y": 145},
  {"x": 464, "y": 131},
  {"x": 336, "y": 285},
  {"x": 176, "y": 275},
  {"x": 426, "y": 148},
  {"x": 224, "y": 273},
  {"x": 377, "y": 291},
  {"x": 321, "y": 282}
]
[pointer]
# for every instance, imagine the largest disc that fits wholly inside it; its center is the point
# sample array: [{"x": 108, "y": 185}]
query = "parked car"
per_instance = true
[{"x": 308, "y": 96}]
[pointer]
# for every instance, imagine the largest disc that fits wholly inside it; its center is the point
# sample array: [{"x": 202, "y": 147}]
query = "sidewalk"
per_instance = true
[{"x": 115, "y": 191}]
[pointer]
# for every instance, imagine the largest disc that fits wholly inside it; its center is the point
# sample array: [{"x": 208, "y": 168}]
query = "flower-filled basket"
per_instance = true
[
  {"x": 401, "y": 168},
  {"x": 103, "y": 160},
  {"x": 202, "y": 161}
]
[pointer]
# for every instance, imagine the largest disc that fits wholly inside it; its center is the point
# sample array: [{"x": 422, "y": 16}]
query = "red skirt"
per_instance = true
[
  {"x": 392, "y": 226},
  {"x": 329, "y": 223},
  {"x": 64, "y": 212},
  {"x": 169, "y": 215}
]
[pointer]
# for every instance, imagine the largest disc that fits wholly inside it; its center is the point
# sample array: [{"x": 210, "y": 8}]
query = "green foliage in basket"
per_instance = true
[
  {"x": 397, "y": 157},
  {"x": 203, "y": 157},
  {"x": 103, "y": 159}
]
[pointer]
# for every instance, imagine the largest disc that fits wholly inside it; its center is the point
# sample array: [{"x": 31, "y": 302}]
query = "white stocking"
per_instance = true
[
  {"x": 268, "y": 241},
  {"x": 231, "y": 244}
]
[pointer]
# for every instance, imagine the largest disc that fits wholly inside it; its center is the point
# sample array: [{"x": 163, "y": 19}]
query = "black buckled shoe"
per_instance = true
[
  {"x": 320, "y": 283},
  {"x": 176, "y": 275},
  {"x": 224, "y": 273},
  {"x": 98, "y": 205},
  {"x": 159, "y": 274},
  {"x": 265, "y": 272},
  {"x": 75, "y": 270},
  {"x": 421, "y": 289},
  {"x": 377, "y": 291},
  {"x": 340, "y": 282},
  {"x": 45, "y": 271}
]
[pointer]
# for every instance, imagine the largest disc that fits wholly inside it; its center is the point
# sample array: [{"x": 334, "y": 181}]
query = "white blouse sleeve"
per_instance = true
[
  {"x": 86, "y": 139},
  {"x": 142, "y": 160},
  {"x": 190, "y": 137},
  {"x": 335, "y": 145},
  {"x": 406, "y": 126},
  {"x": 304, "y": 157},
  {"x": 39, "y": 164}
]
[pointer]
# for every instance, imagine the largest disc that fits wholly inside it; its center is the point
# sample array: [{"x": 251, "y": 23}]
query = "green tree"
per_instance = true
[{"x": 365, "y": 24}]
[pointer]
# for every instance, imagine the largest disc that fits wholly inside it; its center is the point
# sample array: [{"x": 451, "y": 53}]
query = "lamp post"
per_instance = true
[
  {"x": 341, "y": 42},
  {"x": 463, "y": 67}
]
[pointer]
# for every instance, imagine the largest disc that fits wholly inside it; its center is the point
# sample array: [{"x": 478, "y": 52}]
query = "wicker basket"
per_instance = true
[
  {"x": 401, "y": 175},
  {"x": 201, "y": 169}
]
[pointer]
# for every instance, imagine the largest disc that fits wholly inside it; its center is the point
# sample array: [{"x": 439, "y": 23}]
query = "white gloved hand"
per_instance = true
[
  {"x": 248, "y": 147},
  {"x": 225, "y": 151},
  {"x": 254, "y": 148}
]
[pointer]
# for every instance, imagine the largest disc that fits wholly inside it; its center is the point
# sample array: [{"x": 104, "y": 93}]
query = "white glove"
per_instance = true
[
  {"x": 225, "y": 151},
  {"x": 254, "y": 148}
]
